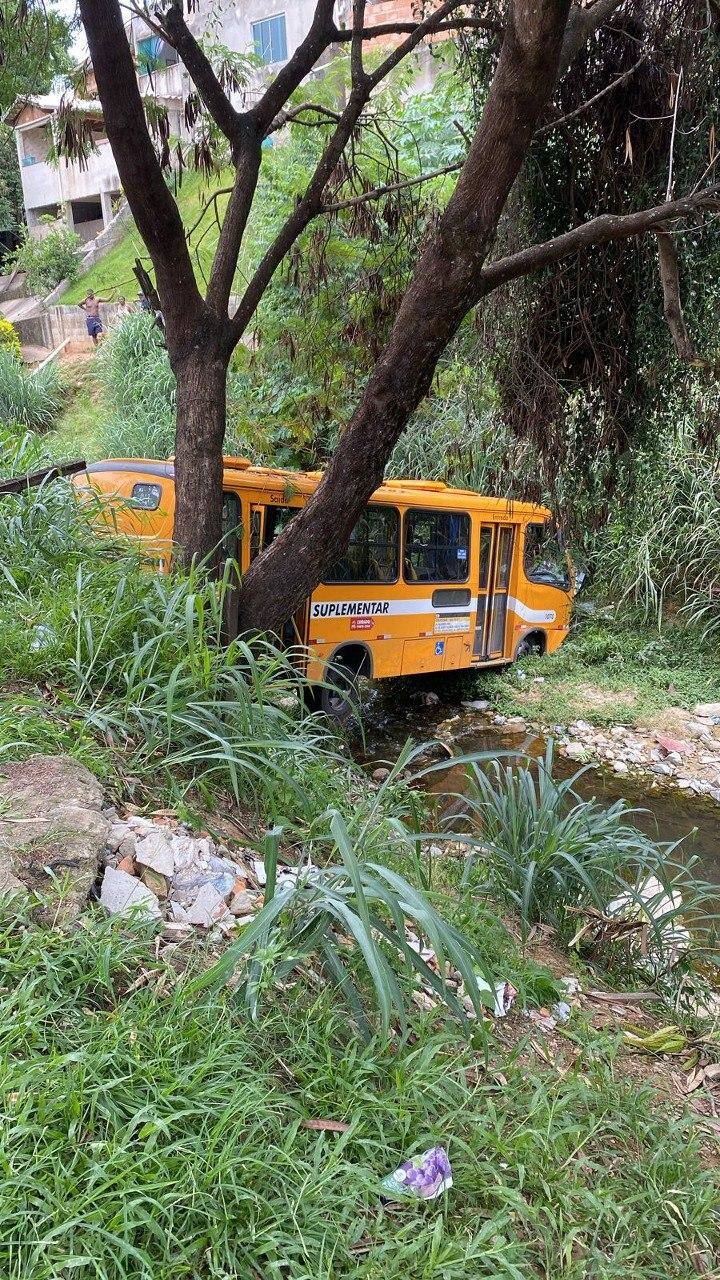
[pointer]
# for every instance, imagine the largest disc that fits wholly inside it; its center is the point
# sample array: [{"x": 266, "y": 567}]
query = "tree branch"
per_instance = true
[
  {"x": 427, "y": 27},
  {"x": 378, "y": 192},
  {"x": 293, "y": 114},
  {"x": 152, "y": 205},
  {"x": 199, "y": 67},
  {"x": 582, "y": 23},
  {"x": 600, "y": 230},
  {"x": 578, "y": 111},
  {"x": 672, "y": 306},
  {"x": 402, "y": 28}
]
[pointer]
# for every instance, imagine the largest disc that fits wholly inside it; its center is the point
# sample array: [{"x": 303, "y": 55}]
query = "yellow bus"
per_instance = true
[{"x": 434, "y": 578}]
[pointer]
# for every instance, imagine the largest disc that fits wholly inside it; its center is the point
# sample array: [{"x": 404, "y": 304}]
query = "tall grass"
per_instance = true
[
  {"x": 547, "y": 851},
  {"x": 139, "y": 385},
  {"x": 32, "y": 400}
]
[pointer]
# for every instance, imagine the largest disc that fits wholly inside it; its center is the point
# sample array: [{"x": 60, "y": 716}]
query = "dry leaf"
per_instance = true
[{"x": 332, "y": 1126}]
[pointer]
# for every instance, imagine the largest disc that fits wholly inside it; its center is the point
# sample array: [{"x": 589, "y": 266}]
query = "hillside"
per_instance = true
[{"x": 113, "y": 274}]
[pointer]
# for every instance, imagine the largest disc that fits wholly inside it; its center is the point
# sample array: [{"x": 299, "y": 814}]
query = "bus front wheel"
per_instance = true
[{"x": 340, "y": 695}]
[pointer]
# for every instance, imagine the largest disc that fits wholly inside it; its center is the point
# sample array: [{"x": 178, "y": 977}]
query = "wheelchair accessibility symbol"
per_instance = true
[{"x": 439, "y": 648}]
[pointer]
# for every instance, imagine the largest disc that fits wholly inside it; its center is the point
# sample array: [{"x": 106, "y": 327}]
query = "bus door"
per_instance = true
[
  {"x": 232, "y": 533},
  {"x": 266, "y": 523},
  {"x": 496, "y": 553},
  {"x": 486, "y": 551}
]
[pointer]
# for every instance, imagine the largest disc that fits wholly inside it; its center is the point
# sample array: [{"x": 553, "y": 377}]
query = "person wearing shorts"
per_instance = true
[{"x": 91, "y": 307}]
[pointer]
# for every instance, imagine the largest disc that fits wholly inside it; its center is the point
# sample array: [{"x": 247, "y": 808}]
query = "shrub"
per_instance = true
[
  {"x": 9, "y": 340},
  {"x": 30, "y": 399},
  {"x": 49, "y": 259},
  {"x": 546, "y": 850}
]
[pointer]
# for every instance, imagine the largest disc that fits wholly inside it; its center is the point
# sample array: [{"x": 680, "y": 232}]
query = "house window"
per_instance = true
[
  {"x": 437, "y": 546},
  {"x": 270, "y": 39},
  {"x": 153, "y": 54},
  {"x": 372, "y": 553}
]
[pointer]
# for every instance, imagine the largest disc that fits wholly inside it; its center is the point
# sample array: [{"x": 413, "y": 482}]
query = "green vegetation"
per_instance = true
[
  {"x": 48, "y": 259},
  {"x": 547, "y": 850},
  {"x": 164, "y": 1137},
  {"x": 30, "y": 399},
  {"x": 113, "y": 274},
  {"x": 9, "y": 339},
  {"x": 613, "y": 668}
]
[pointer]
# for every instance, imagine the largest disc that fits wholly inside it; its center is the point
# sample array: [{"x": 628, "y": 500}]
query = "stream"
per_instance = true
[{"x": 662, "y": 813}]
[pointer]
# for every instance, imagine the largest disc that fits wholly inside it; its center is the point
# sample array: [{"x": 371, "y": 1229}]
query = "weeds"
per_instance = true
[
  {"x": 164, "y": 1138},
  {"x": 31, "y": 399},
  {"x": 549, "y": 852}
]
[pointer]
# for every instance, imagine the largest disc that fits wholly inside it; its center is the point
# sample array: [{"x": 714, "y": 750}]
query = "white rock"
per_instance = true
[
  {"x": 155, "y": 851},
  {"x": 178, "y": 913},
  {"x": 121, "y": 893},
  {"x": 259, "y": 869},
  {"x": 620, "y": 766},
  {"x": 576, "y": 751},
  {"x": 117, "y": 833},
  {"x": 243, "y": 902},
  {"x": 674, "y": 757},
  {"x": 207, "y": 908},
  {"x": 476, "y": 704},
  {"x": 710, "y": 709}
]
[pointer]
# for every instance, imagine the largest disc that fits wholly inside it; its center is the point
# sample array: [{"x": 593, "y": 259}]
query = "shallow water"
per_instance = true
[{"x": 663, "y": 814}]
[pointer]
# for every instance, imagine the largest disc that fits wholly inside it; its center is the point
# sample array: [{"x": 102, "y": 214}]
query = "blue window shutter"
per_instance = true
[{"x": 270, "y": 38}]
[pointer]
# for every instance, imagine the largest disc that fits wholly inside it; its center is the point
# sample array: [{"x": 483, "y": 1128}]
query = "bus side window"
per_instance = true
[
  {"x": 437, "y": 546},
  {"x": 276, "y": 519},
  {"x": 372, "y": 553}
]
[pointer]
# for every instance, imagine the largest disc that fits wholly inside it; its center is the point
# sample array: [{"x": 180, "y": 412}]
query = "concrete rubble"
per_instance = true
[{"x": 159, "y": 869}]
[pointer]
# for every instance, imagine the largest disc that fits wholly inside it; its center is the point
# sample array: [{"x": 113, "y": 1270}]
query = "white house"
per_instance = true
[
  {"x": 83, "y": 196},
  {"x": 86, "y": 196}
]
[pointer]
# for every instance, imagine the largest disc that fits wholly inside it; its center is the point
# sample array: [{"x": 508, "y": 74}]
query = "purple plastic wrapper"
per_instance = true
[{"x": 420, "y": 1178}]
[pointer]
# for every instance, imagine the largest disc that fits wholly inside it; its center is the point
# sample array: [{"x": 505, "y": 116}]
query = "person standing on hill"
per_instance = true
[{"x": 91, "y": 307}]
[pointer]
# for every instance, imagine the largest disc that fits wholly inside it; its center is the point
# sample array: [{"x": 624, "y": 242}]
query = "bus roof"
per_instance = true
[{"x": 240, "y": 473}]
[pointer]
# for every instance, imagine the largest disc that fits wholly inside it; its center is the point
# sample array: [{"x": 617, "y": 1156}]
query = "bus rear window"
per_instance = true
[
  {"x": 437, "y": 546},
  {"x": 372, "y": 553}
]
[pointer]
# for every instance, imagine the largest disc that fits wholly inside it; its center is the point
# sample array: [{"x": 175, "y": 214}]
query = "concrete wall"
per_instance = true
[{"x": 50, "y": 326}]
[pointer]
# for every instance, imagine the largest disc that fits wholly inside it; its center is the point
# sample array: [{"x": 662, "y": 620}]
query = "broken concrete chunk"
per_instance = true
[
  {"x": 243, "y": 902},
  {"x": 52, "y": 832},
  {"x": 208, "y": 907},
  {"x": 122, "y": 894},
  {"x": 155, "y": 851},
  {"x": 118, "y": 832}
]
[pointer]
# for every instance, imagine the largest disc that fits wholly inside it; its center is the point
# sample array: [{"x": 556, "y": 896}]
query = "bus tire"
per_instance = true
[{"x": 531, "y": 645}]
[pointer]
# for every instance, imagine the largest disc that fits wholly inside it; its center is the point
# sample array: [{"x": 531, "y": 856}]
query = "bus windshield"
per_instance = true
[{"x": 544, "y": 559}]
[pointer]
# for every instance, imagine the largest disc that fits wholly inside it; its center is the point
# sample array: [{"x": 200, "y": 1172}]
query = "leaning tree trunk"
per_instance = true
[
  {"x": 446, "y": 284},
  {"x": 201, "y": 406}
]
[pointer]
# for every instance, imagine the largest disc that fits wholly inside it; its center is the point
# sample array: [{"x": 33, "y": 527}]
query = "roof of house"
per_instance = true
[{"x": 49, "y": 103}]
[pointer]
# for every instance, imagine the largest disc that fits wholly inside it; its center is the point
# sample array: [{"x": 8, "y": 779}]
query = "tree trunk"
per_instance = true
[
  {"x": 446, "y": 284},
  {"x": 201, "y": 406}
]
